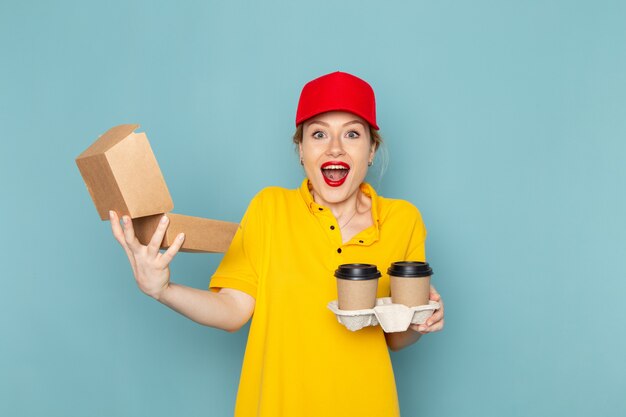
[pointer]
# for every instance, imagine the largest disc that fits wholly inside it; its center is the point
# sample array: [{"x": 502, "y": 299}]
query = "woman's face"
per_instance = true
[{"x": 336, "y": 148}]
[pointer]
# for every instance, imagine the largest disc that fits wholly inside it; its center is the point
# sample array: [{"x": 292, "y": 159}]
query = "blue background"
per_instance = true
[{"x": 505, "y": 123}]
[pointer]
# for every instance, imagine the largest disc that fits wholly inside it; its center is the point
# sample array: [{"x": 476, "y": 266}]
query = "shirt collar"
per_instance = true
[{"x": 366, "y": 189}]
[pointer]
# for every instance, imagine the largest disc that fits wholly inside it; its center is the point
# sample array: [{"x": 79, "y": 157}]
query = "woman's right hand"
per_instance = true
[{"x": 150, "y": 266}]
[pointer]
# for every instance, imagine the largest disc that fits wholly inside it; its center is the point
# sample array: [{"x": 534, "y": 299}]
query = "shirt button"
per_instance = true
[
  {"x": 339, "y": 250},
  {"x": 360, "y": 241},
  {"x": 332, "y": 227},
  {"x": 320, "y": 209}
]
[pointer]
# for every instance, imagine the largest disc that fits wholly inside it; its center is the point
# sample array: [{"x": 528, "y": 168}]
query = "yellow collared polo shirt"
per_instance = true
[{"x": 299, "y": 360}]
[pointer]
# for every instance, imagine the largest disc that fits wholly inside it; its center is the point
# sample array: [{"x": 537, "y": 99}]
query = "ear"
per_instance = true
[{"x": 300, "y": 149}]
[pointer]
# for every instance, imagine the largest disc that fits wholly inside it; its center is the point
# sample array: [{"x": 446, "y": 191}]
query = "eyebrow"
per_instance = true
[
  {"x": 354, "y": 121},
  {"x": 319, "y": 122}
]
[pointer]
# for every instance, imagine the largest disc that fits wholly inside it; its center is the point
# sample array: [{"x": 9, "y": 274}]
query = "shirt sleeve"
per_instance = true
[
  {"x": 239, "y": 268},
  {"x": 416, "y": 249}
]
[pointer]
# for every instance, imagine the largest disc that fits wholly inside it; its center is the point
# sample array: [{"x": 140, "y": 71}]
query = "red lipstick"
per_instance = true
[{"x": 335, "y": 173}]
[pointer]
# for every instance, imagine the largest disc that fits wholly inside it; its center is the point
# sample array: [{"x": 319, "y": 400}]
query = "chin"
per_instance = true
[{"x": 335, "y": 195}]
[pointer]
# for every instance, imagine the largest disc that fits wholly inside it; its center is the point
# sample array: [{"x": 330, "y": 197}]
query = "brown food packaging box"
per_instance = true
[
  {"x": 201, "y": 235},
  {"x": 122, "y": 174}
]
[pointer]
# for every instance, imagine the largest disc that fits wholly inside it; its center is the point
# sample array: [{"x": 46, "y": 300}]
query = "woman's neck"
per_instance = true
[
  {"x": 353, "y": 214},
  {"x": 342, "y": 209}
]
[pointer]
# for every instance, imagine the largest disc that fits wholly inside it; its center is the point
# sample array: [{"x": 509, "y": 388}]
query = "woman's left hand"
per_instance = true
[{"x": 435, "y": 322}]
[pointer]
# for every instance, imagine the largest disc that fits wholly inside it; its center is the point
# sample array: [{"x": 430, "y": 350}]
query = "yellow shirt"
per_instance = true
[{"x": 299, "y": 360}]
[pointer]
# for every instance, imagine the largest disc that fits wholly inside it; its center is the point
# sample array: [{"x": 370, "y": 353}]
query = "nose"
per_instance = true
[{"x": 335, "y": 147}]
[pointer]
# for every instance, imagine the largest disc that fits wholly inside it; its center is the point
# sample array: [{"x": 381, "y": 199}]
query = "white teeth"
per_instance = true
[{"x": 335, "y": 167}]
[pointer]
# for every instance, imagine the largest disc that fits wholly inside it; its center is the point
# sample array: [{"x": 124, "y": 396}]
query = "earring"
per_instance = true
[
  {"x": 370, "y": 163},
  {"x": 301, "y": 161}
]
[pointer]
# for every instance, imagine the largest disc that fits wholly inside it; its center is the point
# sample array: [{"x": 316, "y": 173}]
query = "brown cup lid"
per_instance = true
[
  {"x": 357, "y": 272},
  {"x": 410, "y": 269}
]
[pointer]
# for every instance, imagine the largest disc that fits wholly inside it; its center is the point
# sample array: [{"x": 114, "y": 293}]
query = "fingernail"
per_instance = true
[
  {"x": 125, "y": 219},
  {"x": 429, "y": 323},
  {"x": 111, "y": 214},
  {"x": 163, "y": 219},
  {"x": 181, "y": 236}
]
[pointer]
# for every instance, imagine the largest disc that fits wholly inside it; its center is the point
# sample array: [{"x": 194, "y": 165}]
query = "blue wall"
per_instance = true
[{"x": 505, "y": 123}]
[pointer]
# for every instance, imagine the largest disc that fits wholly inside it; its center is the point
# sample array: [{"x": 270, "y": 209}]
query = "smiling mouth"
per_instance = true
[{"x": 335, "y": 173}]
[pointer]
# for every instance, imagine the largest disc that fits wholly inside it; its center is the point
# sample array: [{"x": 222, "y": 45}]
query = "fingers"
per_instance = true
[
  {"x": 129, "y": 235},
  {"x": 438, "y": 315},
  {"x": 420, "y": 328},
  {"x": 157, "y": 237},
  {"x": 435, "y": 322},
  {"x": 118, "y": 233},
  {"x": 436, "y": 327},
  {"x": 116, "y": 228},
  {"x": 439, "y": 301},
  {"x": 169, "y": 254},
  {"x": 434, "y": 295}
]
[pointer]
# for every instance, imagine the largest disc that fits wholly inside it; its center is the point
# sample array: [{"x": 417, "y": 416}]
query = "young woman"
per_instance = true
[{"x": 299, "y": 360}]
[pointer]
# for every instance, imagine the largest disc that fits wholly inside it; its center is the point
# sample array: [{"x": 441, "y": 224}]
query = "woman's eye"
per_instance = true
[
  {"x": 352, "y": 134},
  {"x": 318, "y": 135}
]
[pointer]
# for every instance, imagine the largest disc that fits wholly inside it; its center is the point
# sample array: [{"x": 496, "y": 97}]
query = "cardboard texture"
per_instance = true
[
  {"x": 201, "y": 235},
  {"x": 410, "y": 291},
  {"x": 122, "y": 174},
  {"x": 356, "y": 295},
  {"x": 391, "y": 317}
]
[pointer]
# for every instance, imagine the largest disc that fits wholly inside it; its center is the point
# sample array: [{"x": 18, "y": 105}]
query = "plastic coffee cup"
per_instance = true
[
  {"x": 410, "y": 283},
  {"x": 356, "y": 286}
]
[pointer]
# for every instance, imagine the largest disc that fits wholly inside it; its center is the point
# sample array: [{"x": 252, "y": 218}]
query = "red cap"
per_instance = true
[{"x": 337, "y": 91}]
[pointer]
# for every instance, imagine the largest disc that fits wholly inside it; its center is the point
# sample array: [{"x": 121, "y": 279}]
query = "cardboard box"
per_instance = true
[
  {"x": 201, "y": 235},
  {"x": 122, "y": 174}
]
